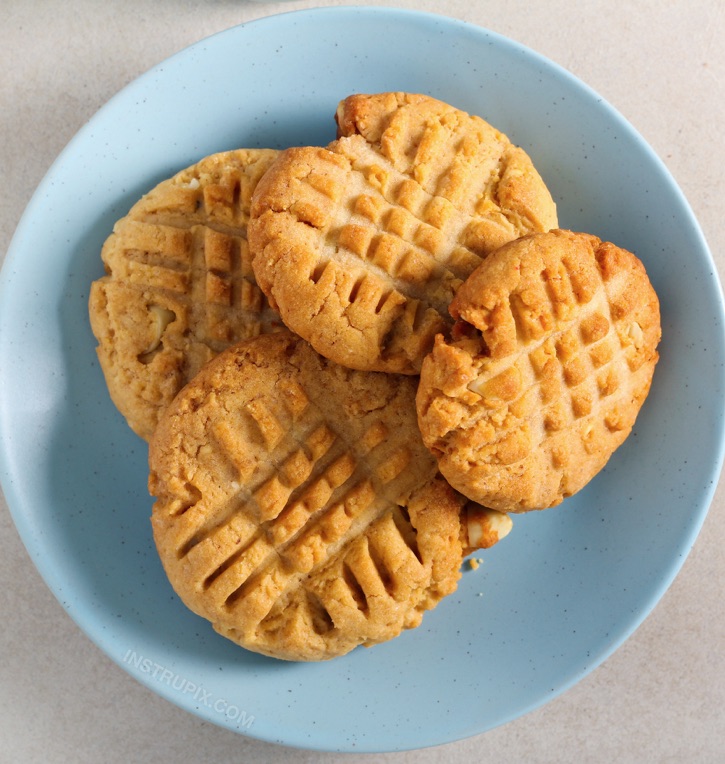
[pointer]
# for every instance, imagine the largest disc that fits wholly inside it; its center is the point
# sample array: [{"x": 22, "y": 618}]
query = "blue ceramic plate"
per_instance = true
[{"x": 552, "y": 601}]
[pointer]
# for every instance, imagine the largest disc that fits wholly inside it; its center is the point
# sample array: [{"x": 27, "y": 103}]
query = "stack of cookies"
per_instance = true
[{"x": 353, "y": 362}]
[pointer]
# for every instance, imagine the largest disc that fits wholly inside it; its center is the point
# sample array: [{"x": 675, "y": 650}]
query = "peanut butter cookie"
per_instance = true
[
  {"x": 297, "y": 507},
  {"x": 179, "y": 286},
  {"x": 362, "y": 245},
  {"x": 551, "y": 359}
]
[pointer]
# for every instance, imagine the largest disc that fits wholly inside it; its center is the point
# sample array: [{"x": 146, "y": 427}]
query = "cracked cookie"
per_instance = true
[
  {"x": 179, "y": 286},
  {"x": 297, "y": 508},
  {"x": 551, "y": 359},
  {"x": 362, "y": 245}
]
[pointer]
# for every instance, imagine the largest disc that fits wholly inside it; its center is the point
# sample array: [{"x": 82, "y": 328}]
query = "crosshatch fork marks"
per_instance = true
[
  {"x": 570, "y": 352},
  {"x": 302, "y": 511}
]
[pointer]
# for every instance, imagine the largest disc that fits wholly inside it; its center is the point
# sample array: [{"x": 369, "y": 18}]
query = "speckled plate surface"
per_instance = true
[{"x": 549, "y": 603}]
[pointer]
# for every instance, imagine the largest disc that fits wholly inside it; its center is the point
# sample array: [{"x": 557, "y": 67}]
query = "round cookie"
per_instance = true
[
  {"x": 551, "y": 359},
  {"x": 297, "y": 507},
  {"x": 179, "y": 286},
  {"x": 362, "y": 245}
]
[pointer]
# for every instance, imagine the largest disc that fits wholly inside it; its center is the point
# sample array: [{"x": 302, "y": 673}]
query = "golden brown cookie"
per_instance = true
[
  {"x": 179, "y": 286},
  {"x": 297, "y": 507},
  {"x": 552, "y": 358},
  {"x": 362, "y": 245}
]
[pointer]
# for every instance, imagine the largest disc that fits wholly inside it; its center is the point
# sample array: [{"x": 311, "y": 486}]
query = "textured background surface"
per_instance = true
[{"x": 661, "y": 696}]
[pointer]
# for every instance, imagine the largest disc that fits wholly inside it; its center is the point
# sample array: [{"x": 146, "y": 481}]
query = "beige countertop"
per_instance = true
[{"x": 661, "y": 696}]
